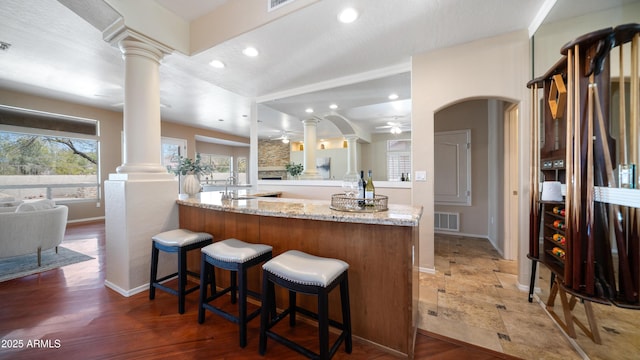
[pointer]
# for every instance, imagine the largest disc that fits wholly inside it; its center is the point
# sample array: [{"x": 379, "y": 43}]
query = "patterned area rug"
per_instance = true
[{"x": 19, "y": 266}]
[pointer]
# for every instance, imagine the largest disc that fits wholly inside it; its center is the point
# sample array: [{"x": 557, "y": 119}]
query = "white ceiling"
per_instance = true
[{"x": 308, "y": 58}]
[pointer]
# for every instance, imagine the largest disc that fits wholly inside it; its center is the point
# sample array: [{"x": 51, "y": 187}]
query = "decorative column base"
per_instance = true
[{"x": 137, "y": 206}]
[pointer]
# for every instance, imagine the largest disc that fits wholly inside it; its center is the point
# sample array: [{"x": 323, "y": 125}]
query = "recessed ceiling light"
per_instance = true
[
  {"x": 309, "y": 110},
  {"x": 348, "y": 15},
  {"x": 333, "y": 106},
  {"x": 217, "y": 64},
  {"x": 250, "y": 51},
  {"x": 393, "y": 96}
]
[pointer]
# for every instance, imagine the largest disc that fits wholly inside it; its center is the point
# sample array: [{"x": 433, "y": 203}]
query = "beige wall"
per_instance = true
[
  {"x": 110, "y": 138},
  {"x": 496, "y": 67},
  {"x": 471, "y": 115}
]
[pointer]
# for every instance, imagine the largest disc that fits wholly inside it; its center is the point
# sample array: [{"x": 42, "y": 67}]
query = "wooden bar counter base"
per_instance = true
[{"x": 381, "y": 250}]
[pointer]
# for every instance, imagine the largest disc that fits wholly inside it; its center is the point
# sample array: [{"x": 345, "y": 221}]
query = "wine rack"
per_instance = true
[{"x": 554, "y": 238}]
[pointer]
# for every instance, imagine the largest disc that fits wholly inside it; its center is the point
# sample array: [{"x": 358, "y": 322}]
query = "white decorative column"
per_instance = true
[
  {"x": 140, "y": 198},
  {"x": 253, "y": 146},
  {"x": 352, "y": 166},
  {"x": 141, "y": 108},
  {"x": 310, "y": 142}
]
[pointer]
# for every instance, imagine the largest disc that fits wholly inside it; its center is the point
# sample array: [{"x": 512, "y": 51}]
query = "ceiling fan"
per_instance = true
[
  {"x": 285, "y": 137},
  {"x": 395, "y": 127}
]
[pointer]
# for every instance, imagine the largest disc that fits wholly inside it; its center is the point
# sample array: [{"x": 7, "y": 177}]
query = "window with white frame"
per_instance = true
[
  {"x": 172, "y": 149},
  {"x": 51, "y": 156},
  {"x": 222, "y": 166},
  {"x": 241, "y": 170},
  {"x": 398, "y": 159}
]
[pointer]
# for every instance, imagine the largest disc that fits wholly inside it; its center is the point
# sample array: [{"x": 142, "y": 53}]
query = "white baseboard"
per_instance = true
[
  {"x": 85, "y": 220},
  {"x": 455, "y": 233},
  {"x": 431, "y": 271},
  {"x": 126, "y": 293},
  {"x": 525, "y": 288}
]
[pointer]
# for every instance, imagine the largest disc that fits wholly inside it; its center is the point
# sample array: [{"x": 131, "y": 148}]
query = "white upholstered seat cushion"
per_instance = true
[
  {"x": 234, "y": 250},
  {"x": 180, "y": 237},
  {"x": 302, "y": 268}
]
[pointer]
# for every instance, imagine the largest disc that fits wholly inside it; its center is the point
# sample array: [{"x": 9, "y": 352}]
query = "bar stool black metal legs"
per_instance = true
[
  {"x": 175, "y": 241},
  {"x": 237, "y": 257},
  {"x": 299, "y": 272}
]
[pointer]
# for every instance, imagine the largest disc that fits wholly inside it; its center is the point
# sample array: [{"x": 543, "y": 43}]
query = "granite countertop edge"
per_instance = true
[{"x": 397, "y": 215}]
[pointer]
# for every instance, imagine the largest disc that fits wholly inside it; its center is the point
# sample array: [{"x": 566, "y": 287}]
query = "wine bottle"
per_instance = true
[
  {"x": 361, "y": 185},
  {"x": 402, "y": 177},
  {"x": 369, "y": 191}
]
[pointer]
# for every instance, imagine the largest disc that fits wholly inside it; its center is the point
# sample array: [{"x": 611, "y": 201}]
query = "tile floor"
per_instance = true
[{"x": 473, "y": 297}]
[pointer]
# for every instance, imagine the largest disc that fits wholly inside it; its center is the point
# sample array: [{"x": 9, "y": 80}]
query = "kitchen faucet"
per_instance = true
[{"x": 231, "y": 180}]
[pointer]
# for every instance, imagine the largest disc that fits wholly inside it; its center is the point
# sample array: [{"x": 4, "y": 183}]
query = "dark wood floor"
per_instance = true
[{"x": 68, "y": 313}]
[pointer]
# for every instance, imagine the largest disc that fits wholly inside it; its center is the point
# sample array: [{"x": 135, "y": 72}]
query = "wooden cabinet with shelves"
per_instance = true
[{"x": 576, "y": 141}]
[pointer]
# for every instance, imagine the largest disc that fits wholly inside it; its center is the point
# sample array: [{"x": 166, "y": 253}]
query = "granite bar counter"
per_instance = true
[
  {"x": 247, "y": 202},
  {"x": 381, "y": 249}
]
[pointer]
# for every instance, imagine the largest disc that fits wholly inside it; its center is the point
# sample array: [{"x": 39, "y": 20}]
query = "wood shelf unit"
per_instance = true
[
  {"x": 575, "y": 141},
  {"x": 575, "y": 138}
]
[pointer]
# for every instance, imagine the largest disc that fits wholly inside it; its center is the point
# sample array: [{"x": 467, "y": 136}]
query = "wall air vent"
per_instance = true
[
  {"x": 446, "y": 221},
  {"x": 275, "y": 4}
]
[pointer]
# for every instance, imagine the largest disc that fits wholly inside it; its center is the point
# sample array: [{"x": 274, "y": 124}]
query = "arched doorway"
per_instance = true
[{"x": 489, "y": 209}]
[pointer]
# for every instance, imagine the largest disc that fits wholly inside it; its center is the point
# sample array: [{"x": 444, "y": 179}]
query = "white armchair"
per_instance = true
[{"x": 31, "y": 231}]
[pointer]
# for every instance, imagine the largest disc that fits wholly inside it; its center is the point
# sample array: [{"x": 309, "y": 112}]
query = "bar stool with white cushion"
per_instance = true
[
  {"x": 236, "y": 256},
  {"x": 300, "y": 272},
  {"x": 175, "y": 241}
]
